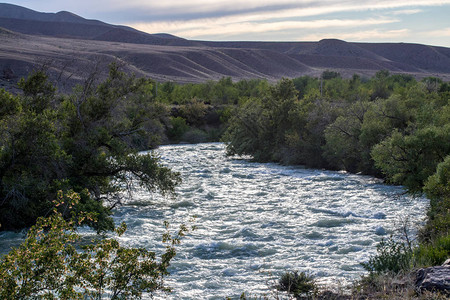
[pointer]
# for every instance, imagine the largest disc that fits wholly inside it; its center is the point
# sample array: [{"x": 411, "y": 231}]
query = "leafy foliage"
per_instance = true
[
  {"x": 437, "y": 189},
  {"x": 392, "y": 256},
  {"x": 261, "y": 126},
  {"x": 219, "y": 93},
  {"x": 178, "y": 128},
  {"x": 411, "y": 159},
  {"x": 297, "y": 283},
  {"x": 86, "y": 142},
  {"x": 193, "y": 112},
  {"x": 433, "y": 253},
  {"x": 52, "y": 264},
  {"x": 389, "y": 126}
]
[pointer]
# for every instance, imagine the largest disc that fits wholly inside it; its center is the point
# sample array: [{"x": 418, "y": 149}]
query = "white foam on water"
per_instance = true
[{"x": 258, "y": 220}]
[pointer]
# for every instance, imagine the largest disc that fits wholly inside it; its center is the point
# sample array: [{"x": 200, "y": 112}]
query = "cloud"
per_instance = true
[
  {"x": 439, "y": 33},
  {"x": 259, "y": 16},
  {"x": 406, "y": 12},
  {"x": 229, "y": 27},
  {"x": 198, "y": 9},
  {"x": 234, "y": 5},
  {"x": 172, "y": 10}
]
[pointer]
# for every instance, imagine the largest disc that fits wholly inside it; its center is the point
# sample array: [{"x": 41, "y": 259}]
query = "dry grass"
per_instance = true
[{"x": 395, "y": 287}]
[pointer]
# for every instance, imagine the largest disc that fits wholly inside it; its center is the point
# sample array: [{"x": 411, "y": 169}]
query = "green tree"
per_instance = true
[
  {"x": 225, "y": 92},
  {"x": 410, "y": 159},
  {"x": 259, "y": 127},
  {"x": 342, "y": 147},
  {"x": 327, "y": 74},
  {"x": 194, "y": 112},
  {"x": 244, "y": 132},
  {"x": 381, "y": 87},
  {"x": 86, "y": 142}
]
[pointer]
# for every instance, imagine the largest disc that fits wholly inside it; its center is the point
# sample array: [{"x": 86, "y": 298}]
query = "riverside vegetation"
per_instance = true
[{"x": 86, "y": 143}]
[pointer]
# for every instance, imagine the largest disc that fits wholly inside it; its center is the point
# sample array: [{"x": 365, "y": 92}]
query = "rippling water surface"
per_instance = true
[{"x": 257, "y": 220}]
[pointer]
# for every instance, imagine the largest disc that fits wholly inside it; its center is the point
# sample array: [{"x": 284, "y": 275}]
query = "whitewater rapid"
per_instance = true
[{"x": 257, "y": 220}]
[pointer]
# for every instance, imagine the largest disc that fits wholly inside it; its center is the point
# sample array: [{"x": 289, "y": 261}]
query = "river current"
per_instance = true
[{"x": 257, "y": 220}]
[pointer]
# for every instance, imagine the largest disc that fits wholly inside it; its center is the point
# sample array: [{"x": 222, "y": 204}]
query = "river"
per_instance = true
[{"x": 256, "y": 220}]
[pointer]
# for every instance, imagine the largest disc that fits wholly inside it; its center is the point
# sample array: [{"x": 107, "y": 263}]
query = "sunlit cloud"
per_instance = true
[
  {"x": 205, "y": 6},
  {"x": 226, "y": 28},
  {"x": 445, "y": 32},
  {"x": 239, "y": 19},
  {"x": 406, "y": 12}
]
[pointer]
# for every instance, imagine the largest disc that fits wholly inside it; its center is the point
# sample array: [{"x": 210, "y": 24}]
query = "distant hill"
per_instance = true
[
  {"x": 68, "y": 25},
  {"x": 70, "y": 46}
]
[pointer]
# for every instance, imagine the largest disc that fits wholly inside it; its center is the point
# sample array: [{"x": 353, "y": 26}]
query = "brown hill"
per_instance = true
[
  {"x": 70, "y": 47},
  {"x": 69, "y": 25},
  {"x": 422, "y": 57}
]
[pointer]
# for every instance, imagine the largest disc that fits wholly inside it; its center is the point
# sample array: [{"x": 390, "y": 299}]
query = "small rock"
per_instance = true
[
  {"x": 447, "y": 263},
  {"x": 434, "y": 278}
]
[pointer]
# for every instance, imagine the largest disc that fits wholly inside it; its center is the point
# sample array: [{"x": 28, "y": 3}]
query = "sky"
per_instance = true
[{"x": 409, "y": 21}]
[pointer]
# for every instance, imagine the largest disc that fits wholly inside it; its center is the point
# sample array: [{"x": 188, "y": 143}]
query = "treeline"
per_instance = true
[
  {"x": 357, "y": 124},
  {"x": 199, "y": 112},
  {"x": 390, "y": 126}
]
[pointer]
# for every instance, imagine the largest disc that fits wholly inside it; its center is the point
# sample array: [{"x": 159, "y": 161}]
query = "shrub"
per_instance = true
[
  {"x": 392, "y": 257},
  {"x": 48, "y": 265},
  {"x": 434, "y": 253},
  {"x": 297, "y": 283},
  {"x": 194, "y": 112},
  {"x": 437, "y": 189},
  {"x": 195, "y": 136},
  {"x": 178, "y": 128}
]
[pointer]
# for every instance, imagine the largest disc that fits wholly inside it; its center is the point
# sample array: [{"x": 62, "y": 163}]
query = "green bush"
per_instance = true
[
  {"x": 177, "y": 129},
  {"x": 433, "y": 254},
  {"x": 50, "y": 265},
  {"x": 194, "y": 112},
  {"x": 437, "y": 189},
  {"x": 392, "y": 257},
  {"x": 195, "y": 136},
  {"x": 297, "y": 283}
]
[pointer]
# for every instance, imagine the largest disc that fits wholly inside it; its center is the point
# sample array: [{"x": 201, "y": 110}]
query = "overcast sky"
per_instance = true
[{"x": 412, "y": 21}]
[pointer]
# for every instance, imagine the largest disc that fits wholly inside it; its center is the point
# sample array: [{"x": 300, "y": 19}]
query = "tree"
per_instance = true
[
  {"x": 410, "y": 159},
  {"x": 259, "y": 127},
  {"x": 381, "y": 85},
  {"x": 87, "y": 142},
  {"x": 327, "y": 74},
  {"x": 342, "y": 144},
  {"x": 245, "y": 130}
]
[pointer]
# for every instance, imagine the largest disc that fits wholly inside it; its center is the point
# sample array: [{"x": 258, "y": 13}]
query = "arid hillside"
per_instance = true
[{"x": 71, "y": 47}]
